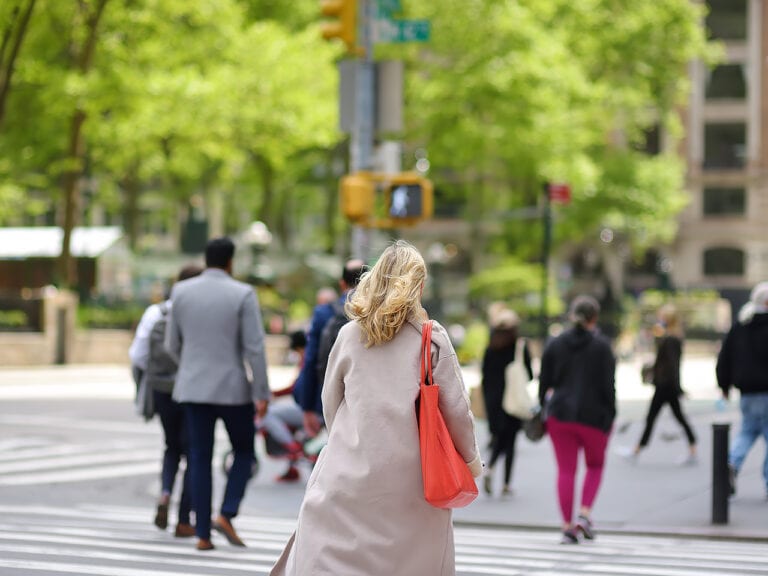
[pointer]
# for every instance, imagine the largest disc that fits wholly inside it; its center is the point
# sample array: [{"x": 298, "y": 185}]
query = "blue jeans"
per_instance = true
[
  {"x": 201, "y": 422},
  {"x": 175, "y": 432},
  {"x": 754, "y": 414}
]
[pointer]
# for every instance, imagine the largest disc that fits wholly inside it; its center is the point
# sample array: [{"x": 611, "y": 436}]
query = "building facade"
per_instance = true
[{"x": 723, "y": 235}]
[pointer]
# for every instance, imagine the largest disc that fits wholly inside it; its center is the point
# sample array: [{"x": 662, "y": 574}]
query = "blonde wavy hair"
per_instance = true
[{"x": 389, "y": 293}]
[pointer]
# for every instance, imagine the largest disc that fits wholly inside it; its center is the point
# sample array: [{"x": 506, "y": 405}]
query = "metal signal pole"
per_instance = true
[{"x": 361, "y": 137}]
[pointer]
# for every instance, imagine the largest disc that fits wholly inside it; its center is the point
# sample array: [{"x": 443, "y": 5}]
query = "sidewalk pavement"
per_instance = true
[{"x": 655, "y": 495}]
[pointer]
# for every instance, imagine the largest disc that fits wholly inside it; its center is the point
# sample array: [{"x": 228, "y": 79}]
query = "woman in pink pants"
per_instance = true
[{"x": 577, "y": 384}]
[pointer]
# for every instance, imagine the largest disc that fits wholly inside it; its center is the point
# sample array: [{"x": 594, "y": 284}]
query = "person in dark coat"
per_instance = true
[
  {"x": 576, "y": 386},
  {"x": 503, "y": 427},
  {"x": 666, "y": 380},
  {"x": 743, "y": 364}
]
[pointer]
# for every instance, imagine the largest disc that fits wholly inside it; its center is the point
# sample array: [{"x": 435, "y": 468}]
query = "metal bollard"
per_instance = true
[{"x": 720, "y": 481}]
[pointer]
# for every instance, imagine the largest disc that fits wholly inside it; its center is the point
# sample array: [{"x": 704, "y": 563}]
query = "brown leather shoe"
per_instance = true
[
  {"x": 184, "y": 530},
  {"x": 204, "y": 545},
  {"x": 161, "y": 517},
  {"x": 224, "y": 527}
]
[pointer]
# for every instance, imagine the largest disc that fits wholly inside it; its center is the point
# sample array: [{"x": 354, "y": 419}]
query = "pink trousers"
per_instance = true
[{"x": 568, "y": 439}]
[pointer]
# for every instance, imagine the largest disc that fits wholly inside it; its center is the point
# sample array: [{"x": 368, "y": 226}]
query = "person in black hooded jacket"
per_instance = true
[
  {"x": 743, "y": 364},
  {"x": 576, "y": 384}
]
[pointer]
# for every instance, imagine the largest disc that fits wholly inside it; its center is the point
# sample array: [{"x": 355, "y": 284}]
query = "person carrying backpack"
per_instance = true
[
  {"x": 155, "y": 369},
  {"x": 327, "y": 320}
]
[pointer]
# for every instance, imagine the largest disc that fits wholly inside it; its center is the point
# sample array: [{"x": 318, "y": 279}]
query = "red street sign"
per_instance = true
[{"x": 560, "y": 193}]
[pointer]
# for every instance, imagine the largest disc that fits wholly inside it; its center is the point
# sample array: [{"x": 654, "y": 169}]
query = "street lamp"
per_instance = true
[{"x": 257, "y": 237}]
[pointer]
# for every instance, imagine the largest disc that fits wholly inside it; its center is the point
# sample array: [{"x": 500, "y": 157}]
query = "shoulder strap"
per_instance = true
[{"x": 426, "y": 353}]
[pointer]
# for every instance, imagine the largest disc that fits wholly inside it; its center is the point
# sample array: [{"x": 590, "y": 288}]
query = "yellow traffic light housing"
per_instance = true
[
  {"x": 409, "y": 197},
  {"x": 345, "y": 26},
  {"x": 357, "y": 196}
]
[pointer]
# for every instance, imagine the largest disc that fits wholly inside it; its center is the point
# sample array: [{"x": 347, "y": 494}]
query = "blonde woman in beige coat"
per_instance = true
[{"x": 364, "y": 512}]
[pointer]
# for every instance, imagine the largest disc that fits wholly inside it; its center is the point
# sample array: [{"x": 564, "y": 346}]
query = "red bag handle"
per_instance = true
[{"x": 426, "y": 353}]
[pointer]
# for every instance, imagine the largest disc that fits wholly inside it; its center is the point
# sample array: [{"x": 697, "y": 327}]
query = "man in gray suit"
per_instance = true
[{"x": 214, "y": 330}]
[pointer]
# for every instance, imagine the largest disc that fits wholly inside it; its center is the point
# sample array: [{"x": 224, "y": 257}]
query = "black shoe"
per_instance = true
[
  {"x": 584, "y": 525},
  {"x": 161, "y": 518},
  {"x": 569, "y": 537},
  {"x": 487, "y": 485}
]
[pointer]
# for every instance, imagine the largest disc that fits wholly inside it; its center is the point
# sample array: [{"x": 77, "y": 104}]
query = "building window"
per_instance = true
[
  {"x": 725, "y": 145},
  {"x": 650, "y": 141},
  {"x": 727, "y": 81},
  {"x": 724, "y": 262},
  {"x": 725, "y": 201},
  {"x": 727, "y": 19}
]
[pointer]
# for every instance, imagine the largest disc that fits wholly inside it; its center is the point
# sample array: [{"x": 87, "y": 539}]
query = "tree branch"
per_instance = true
[{"x": 7, "y": 70}]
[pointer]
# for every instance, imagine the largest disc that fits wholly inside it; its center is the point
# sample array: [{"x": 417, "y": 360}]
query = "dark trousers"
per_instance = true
[
  {"x": 175, "y": 431},
  {"x": 201, "y": 423},
  {"x": 504, "y": 443},
  {"x": 666, "y": 396}
]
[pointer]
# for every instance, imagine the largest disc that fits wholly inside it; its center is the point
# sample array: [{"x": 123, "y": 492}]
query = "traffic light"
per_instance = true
[
  {"x": 409, "y": 197},
  {"x": 357, "y": 196},
  {"x": 345, "y": 26}
]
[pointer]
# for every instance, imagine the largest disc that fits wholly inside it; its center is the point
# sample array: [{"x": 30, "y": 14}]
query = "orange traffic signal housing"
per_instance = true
[
  {"x": 345, "y": 25},
  {"x": 357, "y": 196}
]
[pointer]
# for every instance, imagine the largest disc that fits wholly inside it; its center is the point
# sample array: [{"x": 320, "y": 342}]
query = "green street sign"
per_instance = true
[
  {"x": 397, "y": 31},
  {"x": 389, "y": 7}
]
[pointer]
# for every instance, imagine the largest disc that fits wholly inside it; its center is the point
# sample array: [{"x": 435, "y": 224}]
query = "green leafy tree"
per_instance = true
[{"x": 508, "y": 95}]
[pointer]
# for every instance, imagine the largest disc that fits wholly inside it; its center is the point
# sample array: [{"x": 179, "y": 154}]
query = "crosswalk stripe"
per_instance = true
[
  {"x": 62, "y": 423},
  {"x": 81, "y": 475},
  {"x": 121, "y": 541},
  {"x": 73, "y": 461}
]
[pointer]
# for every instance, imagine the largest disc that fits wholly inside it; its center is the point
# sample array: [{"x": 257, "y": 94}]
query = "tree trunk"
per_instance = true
[
  {"x": 7, "y": 67},
  {"x": 331, "y": 186},
  {"x": 265, "y": 212},
  {"x": 76, "y": 151},
  {"x": 132, "y": 191}
]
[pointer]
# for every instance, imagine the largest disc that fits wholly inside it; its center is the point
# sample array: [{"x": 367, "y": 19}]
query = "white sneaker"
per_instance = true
[
  {"x": 690, "y": 460},
  {"x": 627, "y": 453}
]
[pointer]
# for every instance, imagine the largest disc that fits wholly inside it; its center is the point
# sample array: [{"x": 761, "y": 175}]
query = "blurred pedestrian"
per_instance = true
[
  {"x": 150, "y": 360},
  {"x": 503, "y": 349},
  {"x": 309, "y": 385},
  {"x": 743, "y": 364},
  {"x": 364, "y": 510},
  {"x": 284, "y": 422},
  {"x": 576, "y": 385},
  {"x": 666, "y": 381},
  {"x": 325, "y": 295},
  {"x": 214, "y": 330}
]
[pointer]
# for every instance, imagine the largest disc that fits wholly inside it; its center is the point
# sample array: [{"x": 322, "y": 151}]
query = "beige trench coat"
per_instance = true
[{"x": 364, "y": 512}]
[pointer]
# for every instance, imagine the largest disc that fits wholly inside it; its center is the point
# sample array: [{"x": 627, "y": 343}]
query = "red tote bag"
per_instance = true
[{"x": 448, "y": 483}]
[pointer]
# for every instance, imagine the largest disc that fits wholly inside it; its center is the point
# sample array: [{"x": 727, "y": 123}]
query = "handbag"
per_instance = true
[
  {"x": 646, "y": 372},
  {"x": 516, "y": 401},
  {"x": 535, "y": 428},
  {"x": 448, "y": 483},
  {"x": 145, "y": 399}
]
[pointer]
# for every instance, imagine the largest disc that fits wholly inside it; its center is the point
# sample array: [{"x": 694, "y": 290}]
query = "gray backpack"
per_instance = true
[
  {"x": 328, "y": 339},
  {"x": 161, "y": 368}
]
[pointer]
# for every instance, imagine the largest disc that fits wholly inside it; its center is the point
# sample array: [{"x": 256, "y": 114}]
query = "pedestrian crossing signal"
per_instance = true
[{"x": 409, "y": 197}]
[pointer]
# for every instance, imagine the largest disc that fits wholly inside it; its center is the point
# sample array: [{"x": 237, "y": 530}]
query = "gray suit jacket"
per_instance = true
[{"x": 214, "y": 330}]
